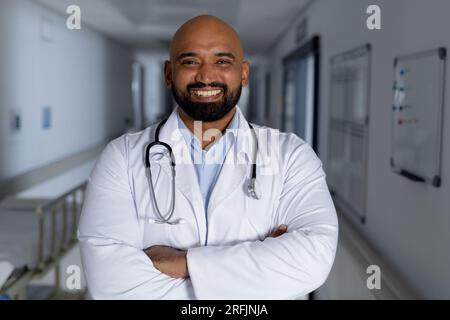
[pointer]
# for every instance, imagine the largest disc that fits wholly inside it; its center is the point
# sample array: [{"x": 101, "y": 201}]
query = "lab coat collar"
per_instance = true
[
  {"x": 236, "y": 168},
  {"x": 171, "y": 134},
  {"x": 231, "y": 177}
]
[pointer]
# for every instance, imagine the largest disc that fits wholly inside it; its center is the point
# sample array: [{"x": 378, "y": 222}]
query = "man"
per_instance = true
[{"x": 218, "y": 242}]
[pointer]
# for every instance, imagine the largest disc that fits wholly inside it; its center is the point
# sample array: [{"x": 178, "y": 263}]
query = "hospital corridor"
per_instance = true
[{"x": 347, "y": 100}]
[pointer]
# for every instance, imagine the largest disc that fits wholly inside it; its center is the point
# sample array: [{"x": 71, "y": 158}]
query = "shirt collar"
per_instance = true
[{"x": 191, "y": 140}]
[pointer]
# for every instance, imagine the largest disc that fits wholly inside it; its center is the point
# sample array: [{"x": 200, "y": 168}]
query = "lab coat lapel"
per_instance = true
[
  {"x": 235, "y": 170},
  {"x": 185, "y": 176}
]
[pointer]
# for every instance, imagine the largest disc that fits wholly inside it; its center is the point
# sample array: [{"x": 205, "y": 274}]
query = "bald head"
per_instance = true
[{"x": 206, "y": 31}]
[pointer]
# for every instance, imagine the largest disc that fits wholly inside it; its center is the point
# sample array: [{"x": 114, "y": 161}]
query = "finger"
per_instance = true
[
  {"x": 155, "y": 252},
  {"x": 282, "y": 230},
  {"x": 278, "y": 232},
  {"x": 275, "y": 233}
]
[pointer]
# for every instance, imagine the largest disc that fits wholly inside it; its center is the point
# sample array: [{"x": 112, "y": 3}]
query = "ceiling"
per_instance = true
[{"x": 151, "y": 23}]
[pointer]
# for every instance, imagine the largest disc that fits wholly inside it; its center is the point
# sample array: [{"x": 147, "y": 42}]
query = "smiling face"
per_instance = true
[{"x": 206, "y": 70}]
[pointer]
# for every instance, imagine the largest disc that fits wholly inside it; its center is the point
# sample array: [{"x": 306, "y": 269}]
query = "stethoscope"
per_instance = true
[{"x": 166, "y": 219}]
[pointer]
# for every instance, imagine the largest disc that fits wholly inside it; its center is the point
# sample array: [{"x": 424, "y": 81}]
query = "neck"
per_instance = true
[{"x": 217, "y": 127}]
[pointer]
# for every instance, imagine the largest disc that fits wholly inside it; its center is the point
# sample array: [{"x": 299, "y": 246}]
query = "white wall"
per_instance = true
[
  {"x": 407, "y": 223},
  {"x": 261, "y": 65},
  {"x": 153, "y": 63},
  {"x": 84, "y": 78}
]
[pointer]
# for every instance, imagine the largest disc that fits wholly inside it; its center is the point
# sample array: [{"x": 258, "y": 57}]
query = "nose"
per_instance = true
[{"x": 206, "y": 74}]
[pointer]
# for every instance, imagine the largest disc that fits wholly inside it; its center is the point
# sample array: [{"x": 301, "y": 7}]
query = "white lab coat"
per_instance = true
[{"x": 239, "y": 261}]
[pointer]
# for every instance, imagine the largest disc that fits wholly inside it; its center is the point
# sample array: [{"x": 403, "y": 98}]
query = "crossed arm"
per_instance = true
[{"x": 173, "y": 262}]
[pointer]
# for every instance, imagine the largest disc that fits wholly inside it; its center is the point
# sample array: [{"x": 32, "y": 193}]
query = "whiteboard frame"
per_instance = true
[{"x": 436, "y": 179}]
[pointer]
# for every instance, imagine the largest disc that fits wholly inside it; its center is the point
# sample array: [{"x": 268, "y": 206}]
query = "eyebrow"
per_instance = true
[
  {"x": 193, "y": 54},
  {"x": 187, "y": 54},
  {"x": 225, "y": 54}
]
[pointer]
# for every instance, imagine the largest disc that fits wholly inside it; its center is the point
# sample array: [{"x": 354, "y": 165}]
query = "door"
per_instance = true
[{"x": 300, "y": 92}]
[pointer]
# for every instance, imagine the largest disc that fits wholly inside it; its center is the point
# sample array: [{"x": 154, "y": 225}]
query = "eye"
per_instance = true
[
  {"x": 223, "y": 62},
  {"x": 189, "y": 62}
]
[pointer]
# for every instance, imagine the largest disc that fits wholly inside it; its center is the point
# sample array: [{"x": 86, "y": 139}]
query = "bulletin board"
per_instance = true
[
  {"x": 349, "y": 129},
  {"x": 417, "y": 112}
]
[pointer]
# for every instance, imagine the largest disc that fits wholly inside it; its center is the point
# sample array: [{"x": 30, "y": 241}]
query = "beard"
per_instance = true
[{"x": 207, "y": 111}]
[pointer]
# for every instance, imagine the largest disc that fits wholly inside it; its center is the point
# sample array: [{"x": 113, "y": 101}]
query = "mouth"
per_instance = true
[{"x": 207, "y": 94}]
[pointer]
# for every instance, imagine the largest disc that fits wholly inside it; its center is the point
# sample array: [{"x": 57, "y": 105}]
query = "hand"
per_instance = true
[
  {"x": 282, "y": 229},
  {"x": 169, "y": 261}
]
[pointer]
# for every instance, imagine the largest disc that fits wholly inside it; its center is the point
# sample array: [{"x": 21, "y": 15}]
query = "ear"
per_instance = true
[
  {"x": 168, "y": 74},
  {"x": 245, "y": 72}
]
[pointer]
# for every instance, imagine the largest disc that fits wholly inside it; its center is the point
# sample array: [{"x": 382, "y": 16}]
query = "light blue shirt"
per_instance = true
[{"x": 209, "y": 162}]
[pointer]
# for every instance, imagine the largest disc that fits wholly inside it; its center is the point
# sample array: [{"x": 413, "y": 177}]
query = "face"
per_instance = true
[{"x": 206, "y": 74}]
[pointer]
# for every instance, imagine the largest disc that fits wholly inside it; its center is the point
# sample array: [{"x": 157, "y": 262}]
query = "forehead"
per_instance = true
[
  {"x": 204, "y": 48},
  {"x": 204, "y": 41}
]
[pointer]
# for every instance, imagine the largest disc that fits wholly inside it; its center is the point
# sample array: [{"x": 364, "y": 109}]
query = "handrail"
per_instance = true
[
  {"x": 51, "y": 202},
  {"x": 72, "y": 198},
  {"x": 59, "y": 205}
]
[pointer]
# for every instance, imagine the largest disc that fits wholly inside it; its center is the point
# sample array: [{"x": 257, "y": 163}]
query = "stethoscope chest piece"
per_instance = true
[{"x": 253, "y": 189}]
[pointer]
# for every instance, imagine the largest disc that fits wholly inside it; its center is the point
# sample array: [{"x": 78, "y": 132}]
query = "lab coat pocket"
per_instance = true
[
  {"x": 258, "y": 214},
  {"x": 155, "y": 234},
  {"x": 183, "y": 235},
  {"x": 255, "y": 230}
]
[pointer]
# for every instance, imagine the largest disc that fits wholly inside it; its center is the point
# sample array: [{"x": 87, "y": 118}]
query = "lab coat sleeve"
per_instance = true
[
  {"x": 114, "y": 262},
  {"x": 286, "y": 267}
]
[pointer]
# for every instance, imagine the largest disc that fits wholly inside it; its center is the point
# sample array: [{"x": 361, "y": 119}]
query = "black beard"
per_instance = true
[{"x": 209, "y": 111}]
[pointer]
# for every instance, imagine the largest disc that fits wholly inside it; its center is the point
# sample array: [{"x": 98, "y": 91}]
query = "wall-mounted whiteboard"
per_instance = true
[
  {"x": 349, "y": 128},
  {"x": 417, "y": 115}
]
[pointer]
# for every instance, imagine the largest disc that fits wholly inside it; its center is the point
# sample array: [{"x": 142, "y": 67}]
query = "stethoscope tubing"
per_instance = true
[{"x": 165, "y": 219}]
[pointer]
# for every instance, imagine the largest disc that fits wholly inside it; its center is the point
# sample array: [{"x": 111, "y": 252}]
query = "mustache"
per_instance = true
[{"x": 200, "y": 85}]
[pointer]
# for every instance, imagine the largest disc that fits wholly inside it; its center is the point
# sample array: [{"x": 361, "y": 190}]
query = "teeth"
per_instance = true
[{"x": 204, "y": 93}]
